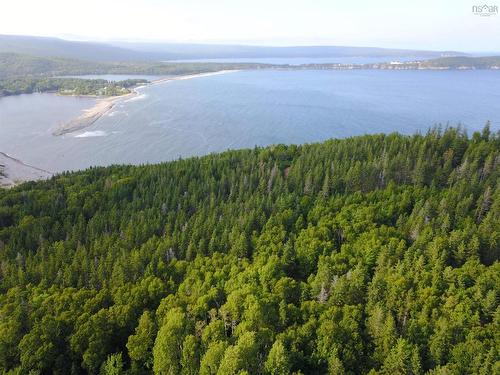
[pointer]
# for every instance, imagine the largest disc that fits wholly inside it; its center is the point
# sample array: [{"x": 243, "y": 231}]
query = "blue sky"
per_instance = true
[{"x": 425, "y": 24}]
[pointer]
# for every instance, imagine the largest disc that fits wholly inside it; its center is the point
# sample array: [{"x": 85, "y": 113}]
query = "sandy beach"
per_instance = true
[
  {"x": 14, "y": 172},
  {"x": 91, "y": 115},
  {"x": 104, "y": 105}
]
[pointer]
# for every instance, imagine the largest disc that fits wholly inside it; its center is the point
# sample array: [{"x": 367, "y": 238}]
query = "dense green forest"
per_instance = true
[
  {"x": 375, "y": 254},
  {"x": 17, "y": 65},
  {"x": 67, "y": 86}
]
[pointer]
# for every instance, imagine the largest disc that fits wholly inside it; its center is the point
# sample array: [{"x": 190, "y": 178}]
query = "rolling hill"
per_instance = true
[
  {"x": 55, "y": 47},
  {"x": 131, "y": 51}
]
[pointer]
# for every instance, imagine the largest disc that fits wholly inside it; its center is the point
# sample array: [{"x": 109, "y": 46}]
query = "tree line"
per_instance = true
[{"x": 67, "y": 86}]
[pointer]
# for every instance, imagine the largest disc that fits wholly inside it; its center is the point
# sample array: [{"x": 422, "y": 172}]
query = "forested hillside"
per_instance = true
[
  {"x": 56, "y": 47},
  {"x": 376, "y": 254},
  {"x": 13, "y": 65},
  {"x": 20, "y": 66}
]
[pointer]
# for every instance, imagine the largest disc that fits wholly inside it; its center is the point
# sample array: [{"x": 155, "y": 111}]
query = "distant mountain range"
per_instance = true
[
  {"x": 200, "y": 51},
  {"x": 54, "y": 47},
  {"x": 128, "y": 51}
]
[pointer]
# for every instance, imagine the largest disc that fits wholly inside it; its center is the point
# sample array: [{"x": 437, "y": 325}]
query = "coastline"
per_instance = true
[
  {"x": 13, "y": 172},
  {"x": 104, "y": 105},
  {"x": 91, "y": 115}
]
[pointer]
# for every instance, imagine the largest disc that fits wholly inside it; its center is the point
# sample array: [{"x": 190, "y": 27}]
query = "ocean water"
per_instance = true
[{"x": 243, "y": 109}]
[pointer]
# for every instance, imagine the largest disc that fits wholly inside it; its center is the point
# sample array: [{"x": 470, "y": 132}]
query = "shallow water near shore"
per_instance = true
[{"x": 243, "y": 109}]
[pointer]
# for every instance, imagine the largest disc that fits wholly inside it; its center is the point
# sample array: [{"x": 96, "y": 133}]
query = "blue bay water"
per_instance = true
[{"x": 243, "y": 109}]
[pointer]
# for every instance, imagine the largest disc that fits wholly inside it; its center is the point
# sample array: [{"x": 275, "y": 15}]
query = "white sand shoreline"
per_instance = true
[
  {"x": 104, "y": 105},
  {"x": 13, "y": 171}
]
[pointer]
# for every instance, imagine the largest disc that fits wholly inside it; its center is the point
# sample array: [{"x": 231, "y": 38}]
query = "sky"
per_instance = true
[{"x": 423, "y": 24}]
